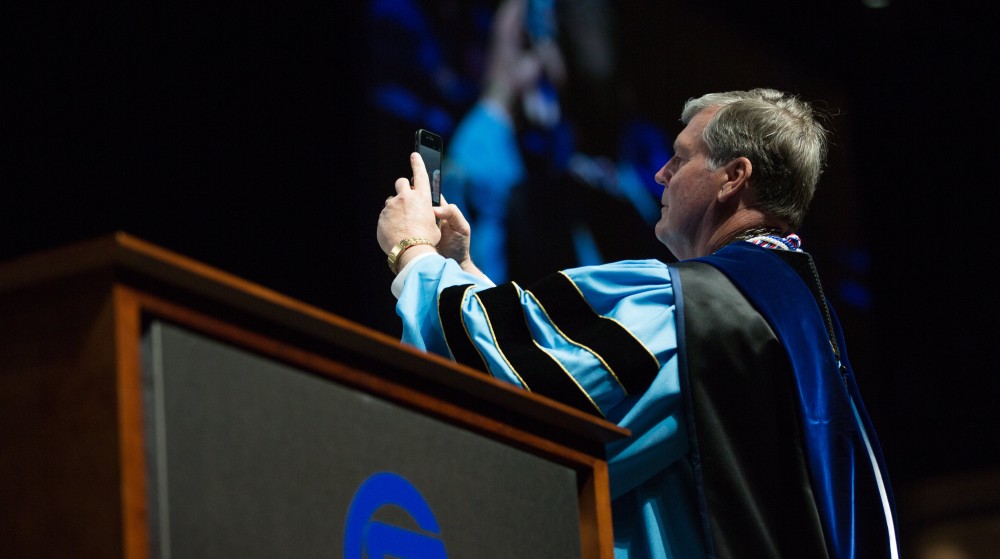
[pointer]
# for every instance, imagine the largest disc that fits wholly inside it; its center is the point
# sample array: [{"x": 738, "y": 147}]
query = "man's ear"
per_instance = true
[{"x": 738, "y": 173}]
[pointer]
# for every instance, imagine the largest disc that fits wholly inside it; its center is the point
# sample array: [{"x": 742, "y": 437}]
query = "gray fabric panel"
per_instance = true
[{"x": 251, "y": 458}]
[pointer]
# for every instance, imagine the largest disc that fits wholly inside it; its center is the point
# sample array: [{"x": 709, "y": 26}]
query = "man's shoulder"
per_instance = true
[
  {"x": 621, "y": 267},
  {"x": 621, "y": 277}
]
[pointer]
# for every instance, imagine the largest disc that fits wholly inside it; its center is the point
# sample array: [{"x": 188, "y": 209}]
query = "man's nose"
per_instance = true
[{"x": 662, "y": 177}]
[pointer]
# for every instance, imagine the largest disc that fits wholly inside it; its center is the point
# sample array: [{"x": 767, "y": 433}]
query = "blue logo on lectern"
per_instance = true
[{"x": 367, "y": 538}]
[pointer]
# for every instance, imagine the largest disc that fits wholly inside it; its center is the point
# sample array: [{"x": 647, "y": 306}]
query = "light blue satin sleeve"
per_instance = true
[
  {"x": 417, "y": 300},
  {"x": 644, "y": 469},
  {"x": 640, "y": 295},
  {"x": 637, "y": 294}
]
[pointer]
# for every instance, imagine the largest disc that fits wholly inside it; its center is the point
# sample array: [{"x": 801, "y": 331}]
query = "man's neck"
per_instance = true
[{"x": 742, "y": 227}]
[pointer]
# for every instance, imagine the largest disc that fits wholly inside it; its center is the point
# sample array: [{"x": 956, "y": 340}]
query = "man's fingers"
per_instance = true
[
  {"x": 456, "y": 220},
  {"x": 420, "y": 183},
  {"x": 402, "y": 185}
]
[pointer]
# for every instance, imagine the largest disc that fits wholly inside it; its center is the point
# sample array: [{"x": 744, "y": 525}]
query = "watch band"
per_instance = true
[{"x": 400, "y": 248}]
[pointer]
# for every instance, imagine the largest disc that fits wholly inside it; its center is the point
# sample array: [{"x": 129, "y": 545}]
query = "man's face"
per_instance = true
[{"x": 689, "y": 190}]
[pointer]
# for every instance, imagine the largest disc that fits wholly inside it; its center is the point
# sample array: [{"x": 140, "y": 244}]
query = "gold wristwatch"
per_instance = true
[{"x": 400, "y": 248}]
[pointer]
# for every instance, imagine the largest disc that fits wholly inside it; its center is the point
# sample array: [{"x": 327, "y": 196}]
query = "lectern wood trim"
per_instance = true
[
  {"x": 79, "y": 313},
  {"x": 139, "y": 262}
]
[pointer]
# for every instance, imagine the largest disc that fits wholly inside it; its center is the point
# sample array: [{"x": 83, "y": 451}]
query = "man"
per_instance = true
[{"x": 749, "y": 435}]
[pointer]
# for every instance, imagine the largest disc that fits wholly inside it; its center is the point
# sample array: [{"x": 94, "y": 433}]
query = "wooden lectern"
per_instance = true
[{"x": 154, "y": 406}]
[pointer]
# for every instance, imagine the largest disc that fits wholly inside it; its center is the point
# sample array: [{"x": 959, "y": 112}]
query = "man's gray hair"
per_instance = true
[{"x": 780, "y": 134}]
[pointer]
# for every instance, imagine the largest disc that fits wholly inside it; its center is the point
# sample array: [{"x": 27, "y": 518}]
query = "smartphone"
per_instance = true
[{"x": 430, "y": 146}]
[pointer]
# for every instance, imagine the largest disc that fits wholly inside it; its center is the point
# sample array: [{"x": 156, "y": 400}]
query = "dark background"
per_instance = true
[{"x": 241, "y": 135}]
